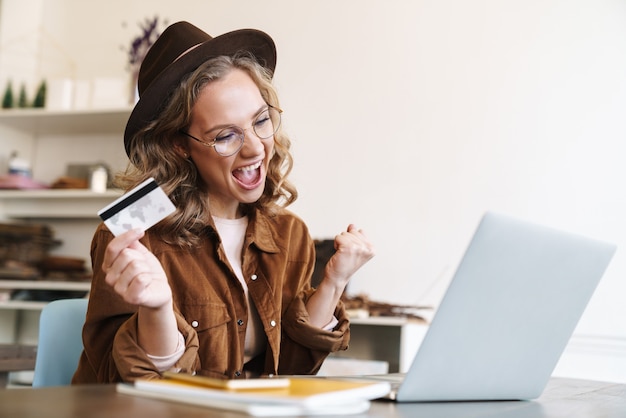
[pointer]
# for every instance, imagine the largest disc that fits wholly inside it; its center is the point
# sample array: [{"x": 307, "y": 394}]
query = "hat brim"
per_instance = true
[{"x": 258, "y": 43}]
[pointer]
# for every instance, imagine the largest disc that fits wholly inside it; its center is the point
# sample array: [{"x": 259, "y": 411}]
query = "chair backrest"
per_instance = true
[{"x": 60, "y": 342}]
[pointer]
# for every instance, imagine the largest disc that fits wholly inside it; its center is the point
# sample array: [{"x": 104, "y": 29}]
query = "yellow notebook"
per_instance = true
[
  {"x": 230, "y": 384},
  {"x": 296, "y": 396}
]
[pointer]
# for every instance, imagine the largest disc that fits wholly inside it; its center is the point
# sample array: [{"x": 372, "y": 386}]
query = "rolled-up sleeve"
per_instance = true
[
  {"x": 133, "y": 362},
  {"x": 306, "y": 346}
]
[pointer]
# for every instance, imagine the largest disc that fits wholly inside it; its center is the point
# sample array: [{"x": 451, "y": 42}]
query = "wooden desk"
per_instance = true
[{"x": 562, "y": 398}]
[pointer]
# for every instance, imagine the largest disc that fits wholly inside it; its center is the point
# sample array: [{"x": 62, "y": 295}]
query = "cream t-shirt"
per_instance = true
[{"x": 233, "y": 232}]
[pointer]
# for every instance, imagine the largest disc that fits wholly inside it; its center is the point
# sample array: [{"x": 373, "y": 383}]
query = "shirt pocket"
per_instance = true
[
  {"x": 206, "y": 316},
  {"x": 211, "y": 322}
]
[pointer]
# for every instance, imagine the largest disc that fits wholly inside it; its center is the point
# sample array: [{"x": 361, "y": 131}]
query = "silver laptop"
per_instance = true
[{"x": 510, "y": 310}]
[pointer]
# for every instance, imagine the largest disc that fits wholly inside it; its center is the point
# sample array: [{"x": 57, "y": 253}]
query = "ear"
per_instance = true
[{"x": 181, "y": 147}]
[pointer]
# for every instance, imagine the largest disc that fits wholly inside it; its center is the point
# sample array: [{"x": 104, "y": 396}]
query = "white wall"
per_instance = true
[{"x": 411, "y": 118}]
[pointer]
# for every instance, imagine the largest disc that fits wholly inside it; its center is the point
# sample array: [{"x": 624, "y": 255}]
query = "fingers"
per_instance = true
[
  {"x": 130, "y": 274},
  {"x": 354, "y": 237},
  {"x": 353, "y": 229},
  {"x": 353, "y": 250},
  {"x": 133, "y": 271},
  {"x": 118, "y": 255},
  {"x": 119, "y": 244}
]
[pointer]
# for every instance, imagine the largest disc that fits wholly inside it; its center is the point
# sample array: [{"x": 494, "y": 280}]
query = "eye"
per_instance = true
[
  {"x": 227, "y": 135},
  {"x": 262, "y": 119}
]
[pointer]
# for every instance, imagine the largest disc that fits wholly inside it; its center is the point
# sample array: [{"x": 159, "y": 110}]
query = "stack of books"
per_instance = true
[{"x": 273, "y": 397}]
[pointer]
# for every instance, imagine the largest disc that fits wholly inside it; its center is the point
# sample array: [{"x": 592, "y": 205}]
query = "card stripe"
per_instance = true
[{"x": 129, "y": 200}]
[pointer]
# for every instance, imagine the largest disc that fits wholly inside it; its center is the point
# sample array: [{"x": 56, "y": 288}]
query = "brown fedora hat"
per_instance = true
[{"x": 179, "y": 50}]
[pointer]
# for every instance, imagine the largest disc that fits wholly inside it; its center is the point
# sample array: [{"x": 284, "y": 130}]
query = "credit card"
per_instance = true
[{"x": 141, "y": 207}]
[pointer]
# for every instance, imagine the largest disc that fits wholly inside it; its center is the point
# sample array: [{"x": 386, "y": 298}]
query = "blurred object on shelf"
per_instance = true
[
  {"x": 10, "y": 102},
  {"x": 46, "y": 295},
  {"x": 26, "y": 243},
  {"x": 109, "y": 93},
  {"x": 98, "y": 178},
  {"x": 57, "y": 263},
  {"x": 7, "y": 98},
  {"x": 60, "y": 94},
  {"x": 17, "y": 181},
  {"x": 139, "y": 46},
  {"x": 79, "y": 171},
  {"x": 19, "y": 165},
  {"x": 24, "y": 255},
  {"x": 94, "y": 176},
  {"x": 40, "y": 97},
  {"x": 66, "y": 182},
  {"x": 18, "y": 270},
  {"x": 362, "y": 307},
  {"x": 64, "y": 269}
]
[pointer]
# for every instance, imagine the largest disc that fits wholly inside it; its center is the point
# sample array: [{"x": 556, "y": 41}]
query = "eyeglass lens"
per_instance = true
[{"x": 228, "y": 141}]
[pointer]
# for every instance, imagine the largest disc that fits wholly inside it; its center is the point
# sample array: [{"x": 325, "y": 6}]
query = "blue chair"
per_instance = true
[{"x": 60, "y": 342}]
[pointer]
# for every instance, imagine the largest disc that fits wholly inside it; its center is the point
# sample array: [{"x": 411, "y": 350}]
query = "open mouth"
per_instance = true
[{"x": 249, "y": 176}]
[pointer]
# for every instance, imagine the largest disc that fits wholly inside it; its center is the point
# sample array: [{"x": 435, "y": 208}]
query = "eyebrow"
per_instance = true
[{"x": 220, "y": 127}]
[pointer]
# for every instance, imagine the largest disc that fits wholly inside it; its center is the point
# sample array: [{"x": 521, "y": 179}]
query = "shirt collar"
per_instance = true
[{"x": 260, "y": 231}]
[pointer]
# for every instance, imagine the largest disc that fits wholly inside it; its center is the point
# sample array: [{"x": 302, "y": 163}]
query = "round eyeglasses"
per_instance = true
[{"x": 230, "y": 140}]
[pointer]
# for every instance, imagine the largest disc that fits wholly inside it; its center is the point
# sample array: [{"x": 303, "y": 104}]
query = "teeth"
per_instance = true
[{"x": 251, "y": 167}]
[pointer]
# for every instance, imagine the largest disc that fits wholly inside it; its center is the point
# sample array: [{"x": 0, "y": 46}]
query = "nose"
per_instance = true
[{"x": 252, "y": 144}]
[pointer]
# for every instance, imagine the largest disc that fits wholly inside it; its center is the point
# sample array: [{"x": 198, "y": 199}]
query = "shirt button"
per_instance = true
[
  {"x": 273, "y": 323},
  {"x": 194, "y": 324},
  {"x": 254, "y": 277},
  {"x": 240, "y": 322}
]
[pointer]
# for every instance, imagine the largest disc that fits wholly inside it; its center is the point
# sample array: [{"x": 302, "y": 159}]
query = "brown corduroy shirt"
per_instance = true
[{"x": 211, "y": 308}]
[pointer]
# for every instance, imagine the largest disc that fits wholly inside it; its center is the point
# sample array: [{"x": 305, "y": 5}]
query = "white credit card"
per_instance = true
[{"x": 142, "y": 207}]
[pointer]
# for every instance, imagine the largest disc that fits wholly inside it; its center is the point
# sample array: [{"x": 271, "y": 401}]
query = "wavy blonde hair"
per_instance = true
[{"x": 152, "y": 153}]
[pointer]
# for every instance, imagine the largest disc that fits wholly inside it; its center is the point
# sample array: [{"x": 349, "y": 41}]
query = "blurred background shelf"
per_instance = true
[
  {"x": 37, "y": 285},
  {"x": 41, "y": 121},
  {"x": 54, "y": 203}
]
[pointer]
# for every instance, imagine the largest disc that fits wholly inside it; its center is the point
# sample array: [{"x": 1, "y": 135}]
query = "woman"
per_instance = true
[{"x": 221, "y": 287}]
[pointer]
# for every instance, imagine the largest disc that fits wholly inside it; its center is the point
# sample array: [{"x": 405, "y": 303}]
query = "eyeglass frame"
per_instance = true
[{"x": 242, "y": 137}]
